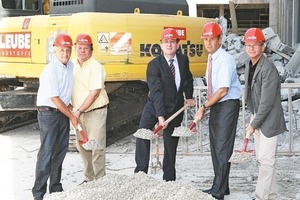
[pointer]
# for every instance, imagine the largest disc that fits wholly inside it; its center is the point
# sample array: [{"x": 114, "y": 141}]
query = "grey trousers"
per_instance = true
[{"x": 222, "y": 131}]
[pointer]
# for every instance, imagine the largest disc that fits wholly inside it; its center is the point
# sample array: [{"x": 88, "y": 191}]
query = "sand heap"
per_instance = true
[{"x": 134, "y": 187}]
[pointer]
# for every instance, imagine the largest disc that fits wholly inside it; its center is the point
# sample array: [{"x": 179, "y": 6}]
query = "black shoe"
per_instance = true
[
  {"x": 227, "y": 192},
  {"x": 54, "y": 191},
  {"x": 208, "y": 191},
  {"x": 219, "y": 198},
  {"x": 83, "y": 182}
]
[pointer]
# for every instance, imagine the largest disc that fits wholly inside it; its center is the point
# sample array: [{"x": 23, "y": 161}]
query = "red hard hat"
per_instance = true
[
  {"x": 211, "y": 29},
  {"x": 63, "y": 40},
  {"x": 83, "y": 39},
  {"x": 254, "y": 35},
  {"x": 169, "y": 33}
]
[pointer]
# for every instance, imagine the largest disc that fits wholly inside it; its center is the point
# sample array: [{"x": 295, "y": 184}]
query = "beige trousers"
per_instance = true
[
  {"x": 265, "y": 150},
  {"x": 94, "y": 124}
]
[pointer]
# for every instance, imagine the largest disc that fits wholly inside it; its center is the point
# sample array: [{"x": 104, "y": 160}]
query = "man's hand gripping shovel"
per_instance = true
[{"x": 243, "y": 155}]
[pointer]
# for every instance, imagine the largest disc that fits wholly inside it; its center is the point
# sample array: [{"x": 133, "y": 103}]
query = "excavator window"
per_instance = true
[{"x": 20, "y": 4}]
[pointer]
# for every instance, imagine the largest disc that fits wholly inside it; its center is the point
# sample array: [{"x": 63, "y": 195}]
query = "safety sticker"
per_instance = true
[
  {"x": 115, "y": 43},
  {"x": 103, "y": 39},
  {"x": 103, "y": 44},
  {"x": 120, "y": 43}
]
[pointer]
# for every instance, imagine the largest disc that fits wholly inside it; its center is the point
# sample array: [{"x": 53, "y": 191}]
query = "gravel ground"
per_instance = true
[{"x": 194, "y": 171}]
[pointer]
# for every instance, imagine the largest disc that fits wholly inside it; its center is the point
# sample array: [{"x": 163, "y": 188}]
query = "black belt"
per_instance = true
[
  {"x": 47, "y": 108},
  {"x": 96, "y": 109},
  {"x": 230, "y": 100}
]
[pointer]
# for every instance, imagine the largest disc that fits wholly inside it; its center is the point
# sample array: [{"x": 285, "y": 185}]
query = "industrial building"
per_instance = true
[{"x": 281, "y": 15}]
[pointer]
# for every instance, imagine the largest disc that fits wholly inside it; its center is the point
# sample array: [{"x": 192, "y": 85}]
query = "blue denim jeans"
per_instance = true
[{"x": 54, "y": 137}]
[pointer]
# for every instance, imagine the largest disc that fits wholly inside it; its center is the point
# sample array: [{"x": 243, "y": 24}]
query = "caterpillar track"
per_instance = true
[
  {"x": 16, "y": 119},
  {"x": 11, "y": 118},
  {"x": 121, "y": 121}
]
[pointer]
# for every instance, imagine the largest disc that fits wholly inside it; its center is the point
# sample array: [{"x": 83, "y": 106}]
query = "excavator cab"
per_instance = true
[{"x": 11, "y": 8}]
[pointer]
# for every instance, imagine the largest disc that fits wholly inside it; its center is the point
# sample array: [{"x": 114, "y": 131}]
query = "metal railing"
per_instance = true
[{"x": 291, "y": 119}]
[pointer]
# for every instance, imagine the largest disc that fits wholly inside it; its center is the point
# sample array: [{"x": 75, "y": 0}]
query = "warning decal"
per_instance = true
[
  {"x": 120, "y": 43},
  {"x": 103, "y": 42},
  {"x": 114, "y": 43},
  {"x": 103, "y": 39}
]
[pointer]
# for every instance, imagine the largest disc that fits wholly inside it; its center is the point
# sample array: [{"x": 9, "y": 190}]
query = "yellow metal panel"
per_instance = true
[
  {"x": 21, "y": 70},
  {"x": 123, "y": 43}
]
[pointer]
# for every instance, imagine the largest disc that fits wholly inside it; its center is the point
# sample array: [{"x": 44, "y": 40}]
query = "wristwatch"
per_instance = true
[{"x": 204, "y": 107}]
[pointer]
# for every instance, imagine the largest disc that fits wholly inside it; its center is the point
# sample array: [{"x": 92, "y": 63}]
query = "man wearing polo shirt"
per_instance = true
[
  {"x": 53, "y": 100},
  {"x": 90, "y": 101}
]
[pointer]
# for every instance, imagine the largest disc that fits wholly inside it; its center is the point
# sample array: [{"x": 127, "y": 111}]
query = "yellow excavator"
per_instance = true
[{"x": 123, "y": 43}]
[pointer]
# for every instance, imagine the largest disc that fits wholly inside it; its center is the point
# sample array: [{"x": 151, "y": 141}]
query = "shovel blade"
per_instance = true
[
  {"x": 145, "y": 134},
  {"x": 91, "y": 145},
  {"x": 241, "y": 156},
  {"x": 244, "y": 151},
  {"x": 182, "y": 131}
]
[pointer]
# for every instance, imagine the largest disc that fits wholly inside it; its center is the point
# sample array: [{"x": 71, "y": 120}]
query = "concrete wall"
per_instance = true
[{"x": 284, "y": 20}]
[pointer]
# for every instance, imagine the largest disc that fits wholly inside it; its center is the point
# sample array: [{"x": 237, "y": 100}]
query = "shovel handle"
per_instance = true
[
  {"x": 83, "y": 135},
  {"x": 79, "y": 128},
  {"x": 193, "y": 124},
  {"x": 177, "y": 113},
  {"x": 157, "y": 129},
  {"x": 246, "y": 140},
  {"x": 170, "y": 118},
  {"x": 248, "y": 134}
]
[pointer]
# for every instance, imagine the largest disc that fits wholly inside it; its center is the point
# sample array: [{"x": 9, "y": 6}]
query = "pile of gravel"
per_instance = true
[{"x": 136, "y": 186}]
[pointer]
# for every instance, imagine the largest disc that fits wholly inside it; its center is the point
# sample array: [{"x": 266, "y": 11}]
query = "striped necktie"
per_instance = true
[
  {"x": 172, "y": 67},
  {"x": 209, "y": 81}
]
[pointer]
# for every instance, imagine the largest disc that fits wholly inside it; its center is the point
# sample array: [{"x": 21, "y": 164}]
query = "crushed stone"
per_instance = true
[
  {"x": 137, "y": 186},
  {"x": 182, "y": 131}
]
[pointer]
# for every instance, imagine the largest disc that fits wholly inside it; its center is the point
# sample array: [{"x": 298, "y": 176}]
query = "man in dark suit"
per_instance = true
[
  {"x": 168, "y": 77},
  {"x": 263, "y": 97}
]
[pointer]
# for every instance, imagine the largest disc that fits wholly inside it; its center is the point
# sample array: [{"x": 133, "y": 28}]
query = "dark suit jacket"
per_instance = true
[
  {"x": 266, "y": 98},
  {"x": 164, "y": 99}
]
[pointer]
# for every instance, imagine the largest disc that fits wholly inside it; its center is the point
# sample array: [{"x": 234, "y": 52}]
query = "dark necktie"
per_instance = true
[
  {"x": 172, "y": 67},
  {"x": 209, "y": 81}
]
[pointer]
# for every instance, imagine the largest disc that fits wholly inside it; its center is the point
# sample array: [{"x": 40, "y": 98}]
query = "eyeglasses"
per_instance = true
[
  {"x": 169, "y": 41},
  {"x": 253, "y": 46}
]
